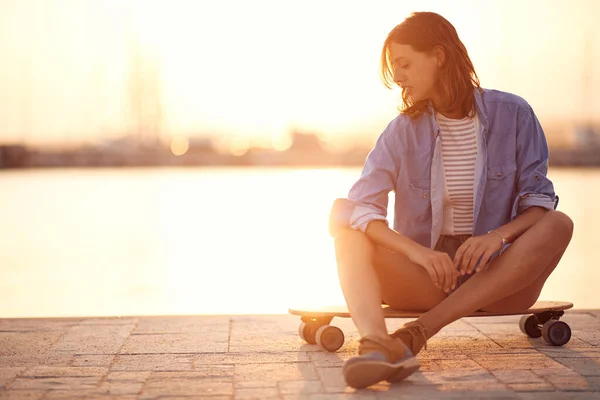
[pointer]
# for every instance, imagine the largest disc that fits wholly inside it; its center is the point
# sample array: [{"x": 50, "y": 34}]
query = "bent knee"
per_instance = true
[
  {"x": 561, "y": 224},
  {"x": 352, "y": 244}
]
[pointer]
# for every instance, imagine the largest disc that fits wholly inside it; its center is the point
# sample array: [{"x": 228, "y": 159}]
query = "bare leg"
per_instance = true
[
  {"x": 516, "y": 269},
  {"x": 354, "y": 251}
]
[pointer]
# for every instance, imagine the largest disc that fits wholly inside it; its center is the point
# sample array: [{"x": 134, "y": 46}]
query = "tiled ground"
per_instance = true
[{"x": 262, "y": 357}]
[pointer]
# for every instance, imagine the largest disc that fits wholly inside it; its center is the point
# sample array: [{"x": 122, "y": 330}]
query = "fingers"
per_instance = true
[
  {"x": 459, "y": 256},
  {"x": 446, "y": 272},
  {"x": 432, "y": 275},
  {"x": 466, "y": 258},
  {"x": 484, "y": 260},
  {"x": 439, "y": 270},
  {"x": 450, "y": 271},
  {"x": 475, "y": 256}
]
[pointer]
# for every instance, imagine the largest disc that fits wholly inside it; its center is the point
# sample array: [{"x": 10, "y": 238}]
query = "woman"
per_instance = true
[{"x": 475, "y": 226}]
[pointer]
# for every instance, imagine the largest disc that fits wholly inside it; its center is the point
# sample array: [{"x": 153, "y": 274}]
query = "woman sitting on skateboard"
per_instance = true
[{"x": 475, "y": 226}]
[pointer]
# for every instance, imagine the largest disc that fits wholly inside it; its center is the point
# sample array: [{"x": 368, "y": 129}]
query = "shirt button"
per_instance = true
[
  {"x": 499, "y": 174},
  {"x": 424, "y": 195}
]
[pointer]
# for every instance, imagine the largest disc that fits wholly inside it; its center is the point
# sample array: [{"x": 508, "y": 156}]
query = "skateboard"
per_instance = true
[{"x": 541, "y": 320}]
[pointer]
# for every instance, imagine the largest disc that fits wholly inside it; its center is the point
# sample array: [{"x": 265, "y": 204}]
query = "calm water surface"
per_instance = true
[{"x": 101, "y": 242}]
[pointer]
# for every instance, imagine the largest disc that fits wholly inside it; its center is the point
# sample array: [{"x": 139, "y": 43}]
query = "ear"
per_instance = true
[{"x": 440, "y": 55}]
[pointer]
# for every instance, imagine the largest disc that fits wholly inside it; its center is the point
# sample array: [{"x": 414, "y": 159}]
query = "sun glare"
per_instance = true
[{"x": 180, "y": 145}]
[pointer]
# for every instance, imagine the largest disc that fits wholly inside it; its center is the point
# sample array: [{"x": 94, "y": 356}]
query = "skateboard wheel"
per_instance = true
[
  {"x": 307, "y": 332},
  {"x": 529, "y": 326},
  {"x": 556, "y": 333},
  {"x": 331, "y": 338}
]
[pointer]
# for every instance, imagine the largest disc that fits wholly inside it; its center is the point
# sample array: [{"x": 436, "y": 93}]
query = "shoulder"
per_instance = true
[
  {"x": 498, "y": 99},
  {"x": 403, "y": 125}
]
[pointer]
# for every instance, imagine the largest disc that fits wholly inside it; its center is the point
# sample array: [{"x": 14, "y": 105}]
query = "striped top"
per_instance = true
[{"x": 459, "y": 152}]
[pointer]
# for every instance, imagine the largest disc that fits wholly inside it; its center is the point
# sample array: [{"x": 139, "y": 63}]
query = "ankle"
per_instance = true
[{"x": 430, "y": 330}]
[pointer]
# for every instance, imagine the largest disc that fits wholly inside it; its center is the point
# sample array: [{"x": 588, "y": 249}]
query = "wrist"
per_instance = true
[{"x": 500, "y": 236}]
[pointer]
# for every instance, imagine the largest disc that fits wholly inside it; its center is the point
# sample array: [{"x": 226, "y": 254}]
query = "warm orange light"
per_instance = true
[
  {"x": 281, "y": 143},
  {"x": 180, "y": 145}
]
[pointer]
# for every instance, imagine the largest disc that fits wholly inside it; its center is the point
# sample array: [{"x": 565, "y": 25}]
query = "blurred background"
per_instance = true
[{"x": 181, "y": 157}]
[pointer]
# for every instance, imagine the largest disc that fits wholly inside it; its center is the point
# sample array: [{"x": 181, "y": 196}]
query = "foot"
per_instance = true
[
  {"x": 414, "y": 335},
  {"x": 378, "y": 359}
]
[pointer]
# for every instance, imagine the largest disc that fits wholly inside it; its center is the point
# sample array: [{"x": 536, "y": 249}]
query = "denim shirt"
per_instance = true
[{"x": 510, "y": 172}]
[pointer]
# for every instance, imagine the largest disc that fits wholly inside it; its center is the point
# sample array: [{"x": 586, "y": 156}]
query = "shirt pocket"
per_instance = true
[
  {"x": 418, "y": 190},
  {"x": 502, "y": 172}
]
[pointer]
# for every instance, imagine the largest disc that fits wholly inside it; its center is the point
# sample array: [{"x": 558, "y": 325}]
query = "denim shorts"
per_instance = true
[{"x": 449, "y": 244}]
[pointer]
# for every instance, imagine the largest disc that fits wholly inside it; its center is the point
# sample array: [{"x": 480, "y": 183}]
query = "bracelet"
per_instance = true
[{"x": 501, "y": 237}]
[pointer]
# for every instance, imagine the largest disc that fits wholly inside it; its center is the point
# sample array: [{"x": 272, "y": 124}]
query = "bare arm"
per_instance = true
[
  {"x": 521, "y": 223},
  {"x": 380, "y": 233}
]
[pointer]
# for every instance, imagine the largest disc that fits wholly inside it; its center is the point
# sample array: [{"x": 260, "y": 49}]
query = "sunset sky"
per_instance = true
[{"x": 256, "y": 69}]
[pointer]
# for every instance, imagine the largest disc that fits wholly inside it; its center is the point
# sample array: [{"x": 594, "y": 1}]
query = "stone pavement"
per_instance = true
[{"x": 262, "y": 357}]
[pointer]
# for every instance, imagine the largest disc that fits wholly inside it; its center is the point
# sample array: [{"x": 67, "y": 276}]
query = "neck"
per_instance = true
[{"x": 451, "y": 115}]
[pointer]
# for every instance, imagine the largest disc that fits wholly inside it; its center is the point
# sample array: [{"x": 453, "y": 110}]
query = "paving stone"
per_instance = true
[
  {"x": 433, "y": 365},
  {"x": 515, "y": 361},
  {"x": 24, "y": 344},
  {"x": 174, "y": 343},
  {"x": 594, "y": 381},
  {"x": 94, "y": 339},
  {"x": 475, "y": 377},
  {"x": 517, "y": 376},
  {"x": 473, "y": 344},
  {"x": 530, "y": 387},
  {"x": 583, "y": 366},
  {"x": 8, "y": 374},
  {"x": 300, "y": 387},
  {"x": 65, "y": 383},
  {"x": 403, "y": 391},
  {"x": 268, "y": 342},
  {"x": 186, "y": 387},
  {"x": 442, "y": 354},
  {"x": 559, "y": 396},
  {"x": 571, "y": 383},
  {"x": 32, "y": 360},
  {"x": 152, "y": 362},
  {"x": 22, "y": 394},
  {"x": 567, "y": 352},
  {"x": 92, "y": 360},
  {"x": 591, "y": 337},
  {"x": 256, "y": 394},
  {"x": 327, "y": 359},
  {"x": 127, "y": 376},
  {"x": 45, "y": 371},
  {"x": 250, "y": 358},
  {"x": 214, "y": 373},
  {"x": 85, "y": 395},
  {"x": 37, "y": 324},
  {"x": 254, "y": 384},
  {"x": 275, "y": 372},
  {"x": 352, "y": 395},
  {"x": 120, "y": 388},
  {"x": 213, "y": 325},
  {"x": 108, "y": 321}
]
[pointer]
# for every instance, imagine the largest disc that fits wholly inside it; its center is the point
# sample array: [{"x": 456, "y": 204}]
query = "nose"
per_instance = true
[{"x": 399, "y": 77}]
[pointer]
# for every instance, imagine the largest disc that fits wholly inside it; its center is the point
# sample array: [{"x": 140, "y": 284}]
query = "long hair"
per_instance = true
[{"x": 457, "y": 78}]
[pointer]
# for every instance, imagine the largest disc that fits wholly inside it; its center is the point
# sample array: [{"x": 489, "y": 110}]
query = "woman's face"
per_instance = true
[{"x": 414, "y": 71}]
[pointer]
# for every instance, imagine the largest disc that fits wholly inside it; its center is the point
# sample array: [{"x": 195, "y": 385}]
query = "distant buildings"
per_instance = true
[{"x": 305, "y": 150}]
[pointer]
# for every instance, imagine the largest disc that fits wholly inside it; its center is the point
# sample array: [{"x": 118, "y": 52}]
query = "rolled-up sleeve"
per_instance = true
[
  {"x": 368, "y": 198},
  {"x": 533, "y": 186}
]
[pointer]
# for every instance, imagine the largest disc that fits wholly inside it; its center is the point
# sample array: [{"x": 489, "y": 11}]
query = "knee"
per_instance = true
[
  {"x": 351, "y": 244},
  {"x": 561, "y": 225}
]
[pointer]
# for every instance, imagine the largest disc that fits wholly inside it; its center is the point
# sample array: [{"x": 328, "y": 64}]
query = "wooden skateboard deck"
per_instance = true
[
  {"x": 342, "y": 311},
  {"x": 540, "y": 320}
]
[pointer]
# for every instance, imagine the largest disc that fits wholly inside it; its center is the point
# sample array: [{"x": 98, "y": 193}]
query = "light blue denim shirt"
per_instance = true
[{"x": 510, "y": 172}]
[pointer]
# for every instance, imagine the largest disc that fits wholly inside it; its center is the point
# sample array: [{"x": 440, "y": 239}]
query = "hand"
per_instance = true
[
  {"x": 473, "y": 249},
  {"x": 438, "y": 265}
]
